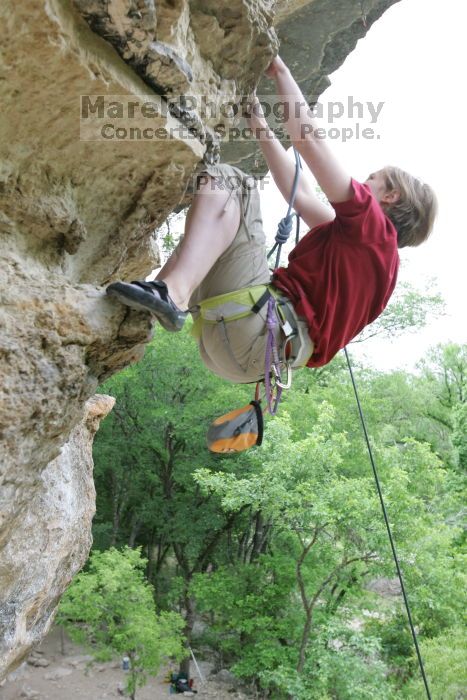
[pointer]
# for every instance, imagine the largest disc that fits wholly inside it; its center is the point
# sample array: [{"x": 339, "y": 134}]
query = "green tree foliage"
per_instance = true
[
  {"x": 329, "y": 532},
  {"x": 445, "y": 661},
  {"x": 408, "y": 310},
  {"x": 445, "y": 374},
  {"x": 111, "y": 608},
  {"x": 144, "y": 458},
  {"x": 274, "y": 550}
]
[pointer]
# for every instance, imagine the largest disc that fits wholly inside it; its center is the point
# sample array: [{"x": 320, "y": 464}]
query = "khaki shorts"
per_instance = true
[{"x": 235, "y": 350}]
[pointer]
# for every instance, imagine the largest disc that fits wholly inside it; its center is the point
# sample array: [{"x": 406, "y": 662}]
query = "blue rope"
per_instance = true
[
  {"x": 284, "y": 227},
  {"x": 284, "y": 230}
]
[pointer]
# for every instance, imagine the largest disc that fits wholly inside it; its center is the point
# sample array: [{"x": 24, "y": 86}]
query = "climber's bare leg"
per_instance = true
[
  {"x": 169, "y": 264},
  {"x": 209, "y": 230}
]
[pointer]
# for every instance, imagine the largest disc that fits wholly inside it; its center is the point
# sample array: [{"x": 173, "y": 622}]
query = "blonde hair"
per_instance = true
[{"x": 413, "y": 214}]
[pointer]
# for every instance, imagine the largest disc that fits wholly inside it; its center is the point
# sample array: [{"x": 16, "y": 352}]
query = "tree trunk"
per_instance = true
[
  {"x": 134, "y": 676},
  {"x": 62, "y": 641},
  {"x": 157, "y": 552},
  {"x": 304, "y": 642},
  {"x": 188, "y": 631},
  {"x": 135, "y": 528},
  {"x": 115, "y": 512},
  {"x": 307, "y": 604},
  {"x": 150, "y": 555},
  {"x": 257, "y": 536},
  {"x": 184, "y": 668}
]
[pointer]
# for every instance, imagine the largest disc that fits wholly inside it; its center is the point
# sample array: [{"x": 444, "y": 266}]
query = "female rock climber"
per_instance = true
[{"x": 339, "y": 277}]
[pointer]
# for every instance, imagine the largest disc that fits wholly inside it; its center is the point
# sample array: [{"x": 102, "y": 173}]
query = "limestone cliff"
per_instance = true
[
  {"x": 51, "y": 543},
  {"x": 77, "y": 211}
]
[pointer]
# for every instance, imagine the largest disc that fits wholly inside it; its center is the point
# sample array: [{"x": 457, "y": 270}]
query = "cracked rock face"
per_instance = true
[
  {"x": 79, "y": 209},
  {"x": 50, "y": 542},
  {"x": 315, "y": 39}
]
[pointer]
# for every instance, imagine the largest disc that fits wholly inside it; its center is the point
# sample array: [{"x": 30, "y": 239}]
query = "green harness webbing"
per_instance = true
[
  {"x": 296, "y": 347},
  {"x": 232, "y": 306}
]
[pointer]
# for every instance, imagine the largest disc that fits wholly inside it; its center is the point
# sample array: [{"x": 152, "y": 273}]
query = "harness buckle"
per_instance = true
[
  {"x": 296, "y": 346},
  {"x": 288, "y": 330}
]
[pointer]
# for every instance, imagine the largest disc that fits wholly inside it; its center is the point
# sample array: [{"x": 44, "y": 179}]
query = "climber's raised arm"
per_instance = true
[
  {"x": 282, "y": 169},
  {"x": 331, "y": 176}
]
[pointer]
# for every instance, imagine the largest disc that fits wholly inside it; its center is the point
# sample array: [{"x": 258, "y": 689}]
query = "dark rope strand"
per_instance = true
[
  {"x": 285, "y": 224},
  {"x": 388, "y": 528},
  {"x": 297, "y": 230}
]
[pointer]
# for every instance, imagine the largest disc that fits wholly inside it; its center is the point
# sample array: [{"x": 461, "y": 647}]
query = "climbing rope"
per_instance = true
[
  {"x": 283, "y": 232},
  {"x": 272, "y": 362},
  {"x": 284, "y": 227},
  {"x": 388, "y": 528}
]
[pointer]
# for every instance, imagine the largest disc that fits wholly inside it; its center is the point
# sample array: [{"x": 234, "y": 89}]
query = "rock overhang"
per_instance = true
[{"x": 76, "y": 213}]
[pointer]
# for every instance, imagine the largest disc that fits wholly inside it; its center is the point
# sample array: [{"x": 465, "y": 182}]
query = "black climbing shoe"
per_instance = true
[{"x": 150, "y": 296}]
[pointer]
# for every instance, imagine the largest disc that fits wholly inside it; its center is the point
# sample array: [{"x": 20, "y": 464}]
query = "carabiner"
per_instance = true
[{"x": 279, "y": 381}]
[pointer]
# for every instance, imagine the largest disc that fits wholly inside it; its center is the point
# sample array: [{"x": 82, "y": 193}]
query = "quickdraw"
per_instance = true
[{"x": 273, "y": 364}]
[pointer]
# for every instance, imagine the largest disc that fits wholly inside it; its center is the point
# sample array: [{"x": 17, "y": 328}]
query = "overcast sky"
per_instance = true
[{"x": 412, "y": 59}]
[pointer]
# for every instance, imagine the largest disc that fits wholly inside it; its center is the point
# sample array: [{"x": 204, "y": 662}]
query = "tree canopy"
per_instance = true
[
  {"x": 279, "y": 553},
  {"x": 110, "y": 607}
]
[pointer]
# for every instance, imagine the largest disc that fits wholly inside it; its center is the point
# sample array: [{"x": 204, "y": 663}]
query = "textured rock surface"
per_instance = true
[
  {"x": 315, "y": 39},
  {"x": 77, "y": 213},
  {"x": 51, "y": 539}
]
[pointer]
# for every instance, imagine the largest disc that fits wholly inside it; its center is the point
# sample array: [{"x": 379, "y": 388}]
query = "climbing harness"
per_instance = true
[
  {"x": 388, "y": 527},
  {"x": 274, "y": 365},
  {"x": 293, "y": 353},
  {"x": 231, "y": 306},
  {"x": 241, "y": 429}
]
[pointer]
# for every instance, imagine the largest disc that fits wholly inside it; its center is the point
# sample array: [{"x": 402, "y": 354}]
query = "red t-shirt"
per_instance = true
[{"x": 342, "y": 273}]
